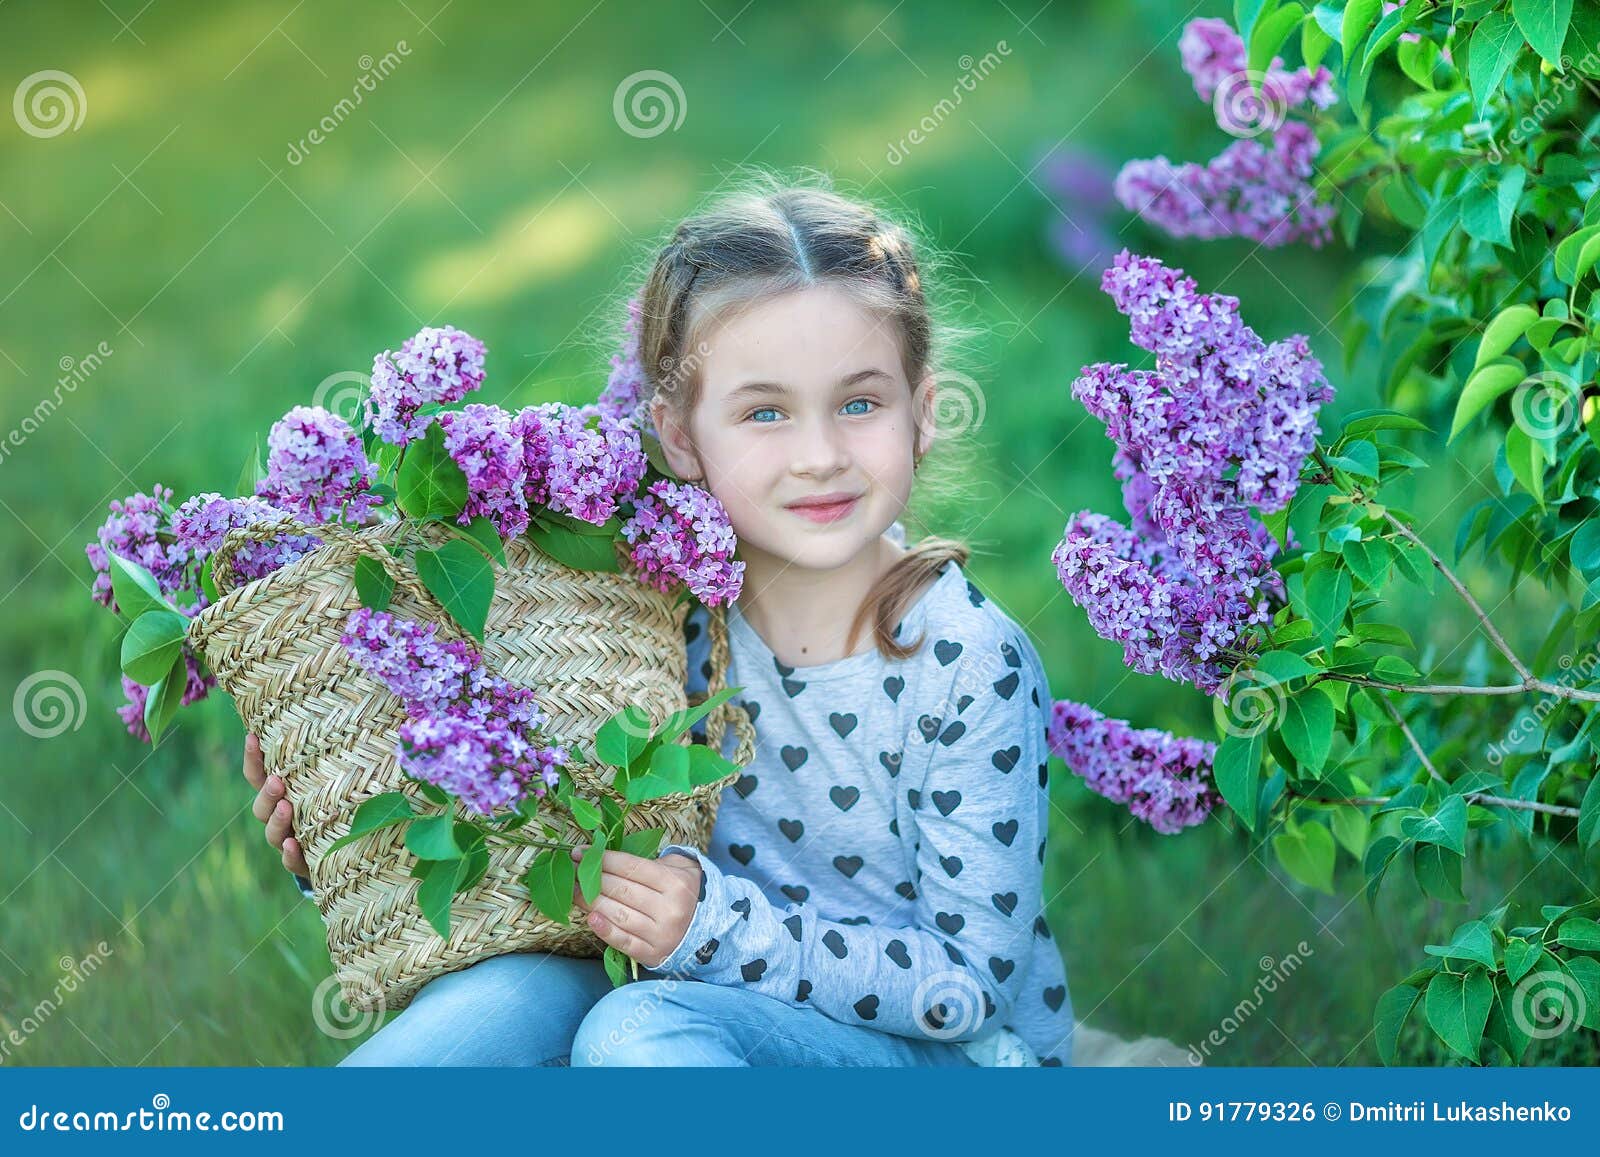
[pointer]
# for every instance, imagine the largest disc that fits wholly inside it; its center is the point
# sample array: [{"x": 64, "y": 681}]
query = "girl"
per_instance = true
[{"x": 872, "y": 892}]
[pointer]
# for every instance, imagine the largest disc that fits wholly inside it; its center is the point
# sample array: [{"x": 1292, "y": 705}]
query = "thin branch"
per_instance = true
[
  {"x": 1526, "y": 805},
  {"x": 1405, "y": 729},
  {"x": 1543, "y": 686}
]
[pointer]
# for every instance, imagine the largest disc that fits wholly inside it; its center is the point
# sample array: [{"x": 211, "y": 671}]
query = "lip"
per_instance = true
[{"x": 825, "y": 507}]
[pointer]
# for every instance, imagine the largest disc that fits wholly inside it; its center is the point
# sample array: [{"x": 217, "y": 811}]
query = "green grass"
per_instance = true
[{"x": 485, "y": 183}]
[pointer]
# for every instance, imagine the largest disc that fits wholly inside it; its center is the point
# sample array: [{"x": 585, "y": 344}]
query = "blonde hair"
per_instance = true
[{"x": 772, "y": 235}]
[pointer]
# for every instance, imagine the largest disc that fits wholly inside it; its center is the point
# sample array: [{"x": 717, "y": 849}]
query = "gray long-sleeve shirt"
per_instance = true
[{"x": 880, "y": 859}]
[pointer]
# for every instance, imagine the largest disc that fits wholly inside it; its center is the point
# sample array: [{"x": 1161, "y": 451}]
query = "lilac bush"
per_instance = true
[
  {"x": 681, "y": 534},
  {"x": 316, "y": 468},
  {"x": 1164, "y": 780},
  {"x": 439, "y": 364}
]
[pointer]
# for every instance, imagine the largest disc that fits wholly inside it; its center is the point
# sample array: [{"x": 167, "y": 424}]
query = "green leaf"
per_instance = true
[
  {"x": 430, "y": 484},
  {"x": 482, "y": 531},
  {"x": 1314, "y": 43},
  {"x": 1282, "y": 666},
  {"x": 1544, "y": 24},
  {"x": 623, "y": 738},
  {"x": 1494, "y": 46},
  {"x": 1351, "y": 828},
  {"x": 1485, "y": 385},
  {"x": 1521, "y": 955},
  {"x": 586, "y": 814},
  {"x": 643, "y": 843},
  {"x": 668, "y": 774},
  {"x": 1415, "y": 564},
  {"x": 252, "y": 472},
  {"x": 616, "y": 962},
  {"x": 1486, "y": 212},
  {"x": 1579, "y": 932},
  {"x": 1438, "y": 872},
  {"x": 381, "y": 811},
  {"x": 1394, "y": 1007},
  {"x": 1307, "y": 728},
  {"x": 1236, "y": 767},
  {"x": 1526, "y": 458},
  {"x": 374, "y": 587},
  {"x": 1502, "y": 1027},
  {"x": 1446, "y": 827},
  {"x": 433, "y": 838},
  {"x": 1327, "y": 597},
  {"x": 462, "y": 580},
  {"x": 1269, "y": 33},
  {"x": 549, "y": 881},
  {"x": 1457, "y": 1008},
  {"x": 437, "y": 890},
  {"x": 1586, "y": 971},
  {"x": 1502, "y": 331},
  {"x": 1589, "y": 814},
  {"x": 1247, "y": 12},
  {"x": 589, "y": 870},
  {"x": 1359, "y": 457},
  {"x": 1471, "y": 941},
  {"x": 134, "y": 588},
  {"x": 707, "y": 766},
  {"x": 1358, "y": 18},
  {"x": 473, "y": 868},
  {"x": 162, "y": 701},
  {"x": 150, "y": 645},
  {"x": 1567, "y": 254},
  {"x": 586, "y": 552},
  {"x": 1306, "y": 852}
]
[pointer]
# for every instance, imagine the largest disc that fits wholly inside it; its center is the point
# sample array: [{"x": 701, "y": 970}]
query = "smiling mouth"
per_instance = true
[{"x": 829, "y": 512}]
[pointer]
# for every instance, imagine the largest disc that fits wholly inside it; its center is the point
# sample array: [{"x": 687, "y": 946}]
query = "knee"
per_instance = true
[{"x": 631, "y": 1025}]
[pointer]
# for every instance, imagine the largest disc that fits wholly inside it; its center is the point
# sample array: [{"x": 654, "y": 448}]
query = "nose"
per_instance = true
[{"x": 822, "y": 451}]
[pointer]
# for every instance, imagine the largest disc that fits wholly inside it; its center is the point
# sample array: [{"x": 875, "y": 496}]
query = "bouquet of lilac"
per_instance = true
[{"x": 584, "y": 484}]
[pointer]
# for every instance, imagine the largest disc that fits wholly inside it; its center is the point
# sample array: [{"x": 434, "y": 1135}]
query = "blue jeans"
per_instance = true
[{"x": 532, "y": 1008}]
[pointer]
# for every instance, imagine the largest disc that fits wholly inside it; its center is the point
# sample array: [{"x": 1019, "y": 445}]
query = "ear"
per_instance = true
[
  {"x": 924, "y": 402},
  {"x": 676, "y": 444}
]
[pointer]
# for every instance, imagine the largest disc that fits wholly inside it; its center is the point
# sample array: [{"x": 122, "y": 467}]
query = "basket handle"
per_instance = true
[{"x": 728, "y": 713}]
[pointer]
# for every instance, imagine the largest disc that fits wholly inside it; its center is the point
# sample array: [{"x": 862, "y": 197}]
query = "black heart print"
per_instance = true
[
  {"x": 1005, "y": 902},
  {"x": 753, "y": 708},
  {"x": 946, "y": 801},
  {"x": 1054, "y": 996},
  {"x": 793, "y": 757},
  {"x": 706, "y": 951},
  {"x": 1010, "y": 653},
  {"x": 744, "y": 785},
  {"x": 891, "y": 761},
  {"x": 793, "y": 829},
  {"x": 1005, "y": 832},
  {"x": 906, "y": 890},
  {"x": 742, "y": 906},
  {"x": 929, "y": 726},
  {"x": 892, "y": 686},
  {"x": 793, "y": 924},
  {"x": 848, "y": 865},
  {"x": 744, "y": 853},
  {"x": 896, "y": 951},
  {"x": 1006, "y": 759},
  {"x": 913, "y": 797},
  {"x": 867, "y": 1007},
  {"x": 951, "y": 922},
  {"x": 952, "y": 865},
  {"x": 796, "y": 892},
  {"x": 974, "y": 595},
  {"x": 844, "y": 798},
  {"x": 946, "y": 652},
  {"x": 835, "y": 943},
  {"x": 1007, "y": 687},
  {"x": 791, "y": 687},
  {"x": 952, "y": 733},
  {"x": 752, "y": 971},
  {"x": 842, "y": 725},
  {"x": 1001, "y": 968}
]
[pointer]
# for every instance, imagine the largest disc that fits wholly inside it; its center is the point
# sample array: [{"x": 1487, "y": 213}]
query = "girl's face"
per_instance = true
[{"x": 803, "y": 397}]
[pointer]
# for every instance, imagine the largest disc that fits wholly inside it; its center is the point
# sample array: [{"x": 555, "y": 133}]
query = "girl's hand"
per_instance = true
[
  {"x": 272, "y": 809},
  {"x": 644, "y": 906}
]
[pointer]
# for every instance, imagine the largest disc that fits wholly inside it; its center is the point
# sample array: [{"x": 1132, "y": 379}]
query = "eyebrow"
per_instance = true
[{"x": 764, "y": 389}]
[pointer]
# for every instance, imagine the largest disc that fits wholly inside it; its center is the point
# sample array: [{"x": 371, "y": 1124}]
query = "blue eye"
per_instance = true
[
  {"x": 861, "y": 401},
  {"x": 762, "y": 410}
]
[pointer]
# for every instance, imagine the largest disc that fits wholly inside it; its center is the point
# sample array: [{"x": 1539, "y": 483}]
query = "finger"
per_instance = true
[
  {"x": 255, "y": 765},
  {"x": 647, "y": 873},
  {"x": 267, "y": 798},
  {"x": 294, "y": 859},
  {"x": 627, "y": 892},
  {"x": 281, "y": 824},
  {"x": 620, "y": 938},
  {"x": 639, "y": 921}
]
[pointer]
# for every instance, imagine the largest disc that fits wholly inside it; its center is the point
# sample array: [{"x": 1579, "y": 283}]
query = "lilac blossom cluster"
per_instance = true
[
  {"x": 681, "y": 533},
  {"x": 439, "y": 364},
  {"x": 624, "y": 389},
  {"x": 468, "y": 732},
  {"x": 486, "y": 443},
  {"x": 1222, "y": 425},
  {"x": 316, "y": 468},
  {"x": 173, "y": 545},
  {"x": 580, "y": 460},
  {"x": 1261, "y": 191},
  {"x": 1165, "y": 780}
]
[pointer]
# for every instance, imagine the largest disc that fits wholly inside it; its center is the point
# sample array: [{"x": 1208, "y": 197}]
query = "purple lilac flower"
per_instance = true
[
  {"x": 1220, "y": 426},
  {"x": 132, "y": 712},
  {"x": 1212, "y": 52},
  {"x": 1164, "y": 779},
  {"x": 580, "y": 460},
  {"x": 136, "y": 530},
  {"x": 469, "y": 732},
  {"x": 625, "y": 388},
  {"x": 316, "y": 468},
  {"x": 1082, "y": 185},
  {"x": 485, "y": 443},
  {"x": 1261, "y": 192},
  {"x": 202, "y": 521},
  {"x": 439, "y": 364},
  {"x": 680, "y": 533}
]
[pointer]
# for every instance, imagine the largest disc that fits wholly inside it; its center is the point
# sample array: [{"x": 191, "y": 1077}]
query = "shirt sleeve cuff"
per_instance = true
[
  {"x": 305, "y": 887},
  {"x": 682, "y": 959}
]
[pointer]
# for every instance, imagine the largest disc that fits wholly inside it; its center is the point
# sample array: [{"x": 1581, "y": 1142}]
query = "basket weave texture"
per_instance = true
[{"x": 588, "y": 643}]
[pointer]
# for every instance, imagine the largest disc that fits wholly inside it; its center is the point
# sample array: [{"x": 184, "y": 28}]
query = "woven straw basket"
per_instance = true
[{"x": 587, "y": 643}]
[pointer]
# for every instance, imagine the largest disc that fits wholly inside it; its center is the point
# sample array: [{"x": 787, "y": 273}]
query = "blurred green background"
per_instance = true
[{"x": 485, "y": 181}]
